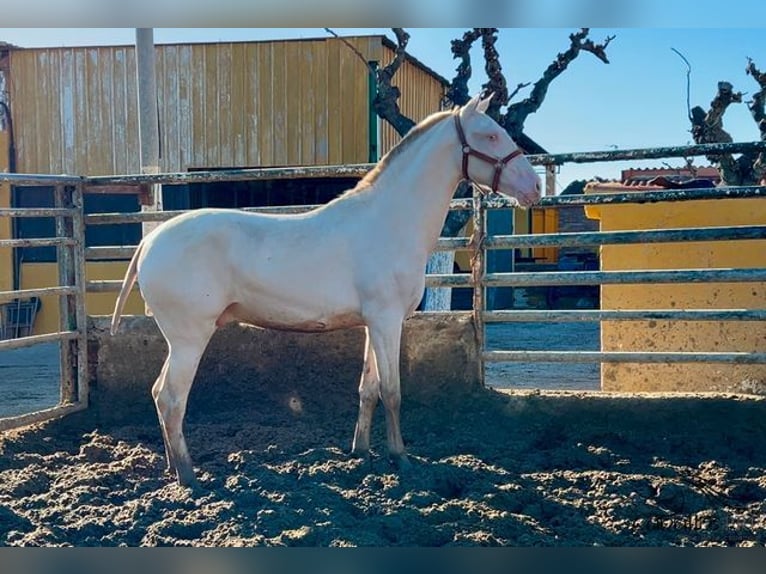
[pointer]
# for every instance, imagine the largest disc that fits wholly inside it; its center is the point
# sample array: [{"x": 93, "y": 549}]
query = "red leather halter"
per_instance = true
[{"x": 468, "y": 151}]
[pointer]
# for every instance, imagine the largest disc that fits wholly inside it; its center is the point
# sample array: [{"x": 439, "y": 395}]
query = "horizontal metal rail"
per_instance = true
[
  {"x": 491, "y": 202},
  {"x": 622, "y": 357},
  {"x": 107, "y": 253},
  {"x": 6, "y": 296},
  {"x": 432, "y": 280},
  {"x": 37, "y": 339},
  {"x": 449, "y": 280},
  {"x": 555, "y": 316},
  {"x": 154, "y": 216},
  {"x": 37, "y": 212},
  {"x": 624, "y": 277},
  {"x": 261, "y": 174},
  {"x": 571, "y": 278},
  {"x": 22, "y": 179},
  {"x": 40, "y": 416},
  {"x": 647, "y": 153},
  {"x": 104, "y": 286},
  {"x": 496, "y": 201},
  {"x": 578, "y": 239},
  {"x": 359, "y": 170},
  {"x": 37, "y": 242},
  {"x": 640, "y": 197},
  {"x": 588, "y": 238}
]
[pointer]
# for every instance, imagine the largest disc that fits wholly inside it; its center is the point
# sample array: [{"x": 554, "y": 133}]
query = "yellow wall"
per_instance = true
[
  {"x": 36, "y": 275},
  {"x": 689, "y": 336},
  {"x": 545, "y": 220}
]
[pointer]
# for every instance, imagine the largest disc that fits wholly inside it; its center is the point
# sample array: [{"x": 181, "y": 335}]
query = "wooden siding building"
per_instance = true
[
  {"x": 245, "y": 104},
  {"x": 74, "y": 110}
]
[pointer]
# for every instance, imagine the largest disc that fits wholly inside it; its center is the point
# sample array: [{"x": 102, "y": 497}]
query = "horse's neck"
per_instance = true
[{"x": 419, "y": 183}]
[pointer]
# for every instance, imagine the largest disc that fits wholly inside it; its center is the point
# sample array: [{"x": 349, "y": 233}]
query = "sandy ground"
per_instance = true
[
  {"x": 527, "y": 468},
  {"x": 489, "y": 469}
]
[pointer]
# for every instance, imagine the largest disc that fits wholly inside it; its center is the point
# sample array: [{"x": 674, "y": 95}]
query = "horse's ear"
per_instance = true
[
  {"x": 484, "y": 104},
  {"x": 473, "y": 103}
]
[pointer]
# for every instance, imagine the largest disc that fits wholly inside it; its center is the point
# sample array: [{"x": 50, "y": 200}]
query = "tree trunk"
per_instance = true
[{"x": 439, "y": 298}]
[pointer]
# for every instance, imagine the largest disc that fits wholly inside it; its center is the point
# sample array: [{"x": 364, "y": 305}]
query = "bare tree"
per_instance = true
[
  {"x": 387, "y": 107},
  {"x": 707, "y": 127}
]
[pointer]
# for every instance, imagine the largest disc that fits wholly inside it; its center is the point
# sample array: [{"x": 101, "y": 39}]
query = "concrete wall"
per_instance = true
[
  {"x": 690, "y": 336},
  {"x": 274, "y": 370}
]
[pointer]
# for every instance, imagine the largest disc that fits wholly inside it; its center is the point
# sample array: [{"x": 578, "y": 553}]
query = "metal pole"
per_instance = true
[
  {"x": 478, "y": 272},
  {"x": 81, "y": 313},
  {"x": 67, "y": 312},
  {"x": 148, "y": 118},
  {"x": 550, "y": 180}
]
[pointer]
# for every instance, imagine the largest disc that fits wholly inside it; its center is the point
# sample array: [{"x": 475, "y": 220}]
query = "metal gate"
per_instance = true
[{"x": 69, "y": 240}]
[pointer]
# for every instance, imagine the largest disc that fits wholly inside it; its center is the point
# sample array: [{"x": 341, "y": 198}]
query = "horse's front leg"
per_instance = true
[
  {"x": 369, "y": 391},
  {"x": 385, "y": 338}
]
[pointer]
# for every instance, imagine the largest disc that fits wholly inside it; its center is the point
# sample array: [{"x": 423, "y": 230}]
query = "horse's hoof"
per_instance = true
[
  {"x": 364, "y": 455},
  {"x": 401, "y": 462},
  {"x": 188, "y": 480}
]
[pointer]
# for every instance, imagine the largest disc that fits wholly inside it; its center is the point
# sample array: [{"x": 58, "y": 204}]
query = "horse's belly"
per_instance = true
[{"x": 289, "y": 321}]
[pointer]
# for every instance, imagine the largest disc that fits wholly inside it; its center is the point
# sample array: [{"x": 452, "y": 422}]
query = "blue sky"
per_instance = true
[{"x": 638, "y": 100}]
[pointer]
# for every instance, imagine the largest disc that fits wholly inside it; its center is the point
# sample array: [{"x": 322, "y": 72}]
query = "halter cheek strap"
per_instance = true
[{"x": 498, "y": 163}]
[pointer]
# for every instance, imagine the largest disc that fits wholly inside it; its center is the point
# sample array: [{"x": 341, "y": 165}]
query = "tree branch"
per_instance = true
[
  {"x": 520, "y": 86},
  {"x": 757, "y": 104},
  {"x": 457, "y": 92},
  {"x": 353, "y": 48},
  {"x": 688, "y": 83},
  {"x": 517, "y": 113},
  {"x": 757, "y": 108},
  {"x": 496, "y": 83},
  {"x": 707, "y": 127},
  {"x": 386, "y": 103}
]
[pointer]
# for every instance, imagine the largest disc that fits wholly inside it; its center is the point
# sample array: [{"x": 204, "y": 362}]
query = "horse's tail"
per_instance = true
[{"x": 127, "y": 284}]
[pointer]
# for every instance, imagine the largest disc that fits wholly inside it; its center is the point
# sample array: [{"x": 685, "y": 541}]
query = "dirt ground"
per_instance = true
[{"x": 489, "y": 469}]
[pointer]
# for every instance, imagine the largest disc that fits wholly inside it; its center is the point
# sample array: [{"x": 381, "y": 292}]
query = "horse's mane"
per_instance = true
[{"x": 411, "y": 136}]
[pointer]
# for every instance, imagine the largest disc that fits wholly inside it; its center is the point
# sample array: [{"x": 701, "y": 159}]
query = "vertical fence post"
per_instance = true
[
  {"x": 550, "y": 179},
  {"x": 78, "y": 233},
  {"x": 478, "y": 271},
  {"x": 67, "y": 315}
]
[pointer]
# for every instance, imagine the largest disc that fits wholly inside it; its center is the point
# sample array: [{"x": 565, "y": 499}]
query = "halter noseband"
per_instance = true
[{"x": 499, "y": 163}]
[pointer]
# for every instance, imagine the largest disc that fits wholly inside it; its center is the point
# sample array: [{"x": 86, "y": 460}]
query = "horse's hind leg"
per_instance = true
[
  {"x": 171, "y": 393},
  {"x": 158, "y": 384},
  {"x": 369, "y": 390}
]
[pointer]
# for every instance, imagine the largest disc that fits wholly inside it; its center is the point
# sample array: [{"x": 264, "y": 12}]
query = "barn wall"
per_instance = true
[
  {"x": 246, "y": 104},
  {"x": 439, "y": 358},
  {"x": 421, "y": 95}
]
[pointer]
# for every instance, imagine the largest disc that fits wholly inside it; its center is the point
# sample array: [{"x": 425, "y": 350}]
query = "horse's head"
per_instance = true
[{"x": 491, "y": 158}]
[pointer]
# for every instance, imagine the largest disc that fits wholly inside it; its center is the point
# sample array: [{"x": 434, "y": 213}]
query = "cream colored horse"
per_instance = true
[{"x": 209, "y": 267}]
